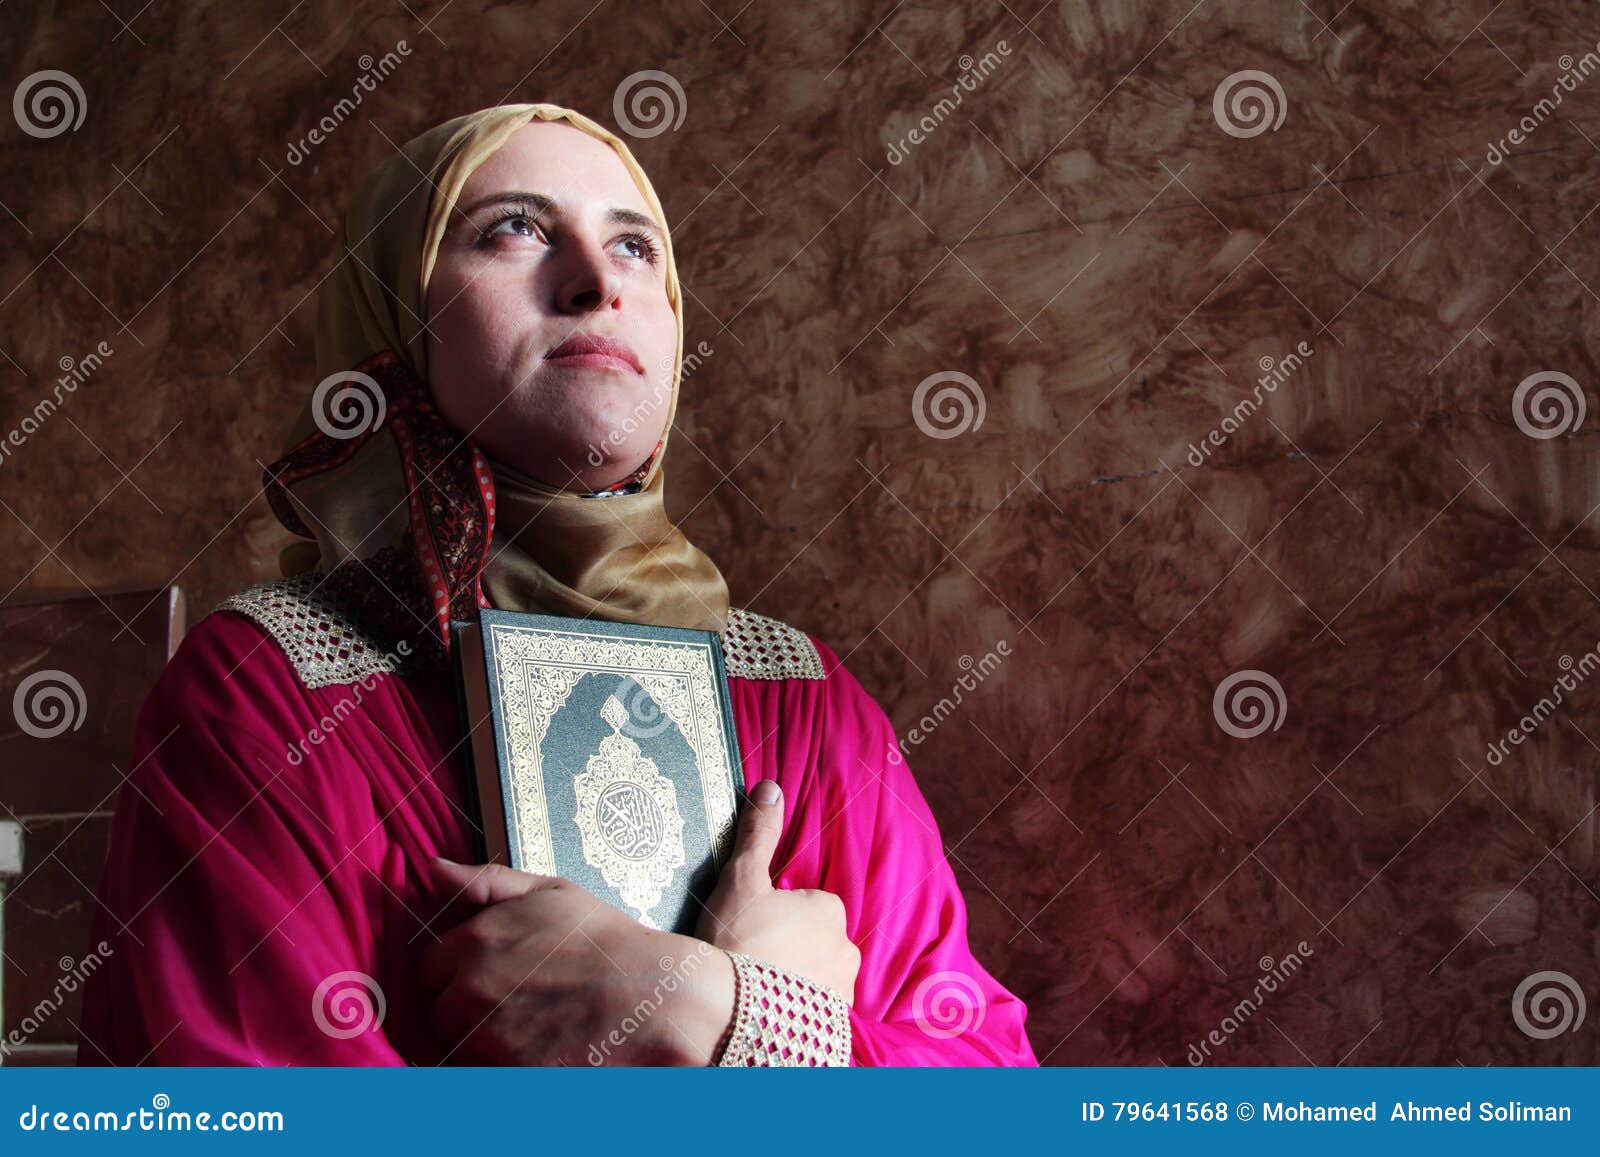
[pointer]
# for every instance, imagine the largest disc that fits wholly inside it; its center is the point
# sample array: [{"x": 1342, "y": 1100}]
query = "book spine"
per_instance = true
[
  {"x": 735, "y": 755},
  {"x": 474, "y": 796}
]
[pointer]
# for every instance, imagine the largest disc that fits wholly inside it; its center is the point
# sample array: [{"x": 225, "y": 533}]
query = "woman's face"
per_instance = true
[{"x": 550, "y": 242}]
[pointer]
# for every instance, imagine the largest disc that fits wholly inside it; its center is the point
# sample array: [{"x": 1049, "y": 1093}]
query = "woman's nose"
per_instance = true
[{"x": 589, "y": 282}]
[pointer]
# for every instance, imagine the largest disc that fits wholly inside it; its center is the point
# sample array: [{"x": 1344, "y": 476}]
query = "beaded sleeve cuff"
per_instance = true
[{"x": 781, "y": 1018}]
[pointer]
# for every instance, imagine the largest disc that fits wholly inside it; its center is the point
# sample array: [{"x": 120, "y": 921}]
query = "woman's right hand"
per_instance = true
[{"x": 800, "y": 929}]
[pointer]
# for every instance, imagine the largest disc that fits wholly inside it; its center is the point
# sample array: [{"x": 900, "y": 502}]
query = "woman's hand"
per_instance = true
[
  {"x": 801, "y": 929},
  {"x": 547, "y": 972}
]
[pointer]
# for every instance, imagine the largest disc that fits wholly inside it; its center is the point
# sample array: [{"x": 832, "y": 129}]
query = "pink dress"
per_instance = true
[{"x": 243, "y": 886}]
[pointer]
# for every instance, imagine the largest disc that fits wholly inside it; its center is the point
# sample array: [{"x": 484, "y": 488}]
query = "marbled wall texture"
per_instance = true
[{"x": 1386, "y": 541}]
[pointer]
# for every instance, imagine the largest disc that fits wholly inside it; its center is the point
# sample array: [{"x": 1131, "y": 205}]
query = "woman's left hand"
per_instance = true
[{"x": 546, "y": 973}]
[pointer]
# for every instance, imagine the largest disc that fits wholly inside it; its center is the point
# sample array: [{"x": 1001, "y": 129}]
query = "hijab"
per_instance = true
[{"x": 411, "y": 524}]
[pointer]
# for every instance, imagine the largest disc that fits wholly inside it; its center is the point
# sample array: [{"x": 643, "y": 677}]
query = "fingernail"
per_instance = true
[
  {"x": 442, "y": 860},
  {"x": 767, "y": 792}
]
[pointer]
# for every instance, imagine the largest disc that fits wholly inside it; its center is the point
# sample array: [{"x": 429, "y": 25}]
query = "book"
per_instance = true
[{"x": 604, "y": 753}]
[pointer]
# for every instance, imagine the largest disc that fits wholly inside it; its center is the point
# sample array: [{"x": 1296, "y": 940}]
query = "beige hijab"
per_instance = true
[{"x": 384, "y": 489}]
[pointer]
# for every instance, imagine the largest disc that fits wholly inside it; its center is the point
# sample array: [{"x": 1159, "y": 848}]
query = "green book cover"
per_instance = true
[{"x": 604, "y": 753}]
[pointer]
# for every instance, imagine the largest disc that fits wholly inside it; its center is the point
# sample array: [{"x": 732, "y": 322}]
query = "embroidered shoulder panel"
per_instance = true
[
  {"x": 327, "y": 646},
  {"x": 757, "y": 647}
]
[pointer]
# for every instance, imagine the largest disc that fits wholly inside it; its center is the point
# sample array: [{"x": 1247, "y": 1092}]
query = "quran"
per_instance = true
[{"x": 604, "y": 753}]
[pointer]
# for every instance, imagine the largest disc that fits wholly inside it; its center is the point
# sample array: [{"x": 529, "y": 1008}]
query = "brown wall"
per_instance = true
[{"x": 1083, "y": 239}]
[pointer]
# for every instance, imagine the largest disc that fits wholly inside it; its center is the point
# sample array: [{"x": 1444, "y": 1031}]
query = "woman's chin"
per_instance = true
[
  {"x": 591, "y": 466},
  {"x": 612, "y": 462},
  {"x": 616, "y": 434}
]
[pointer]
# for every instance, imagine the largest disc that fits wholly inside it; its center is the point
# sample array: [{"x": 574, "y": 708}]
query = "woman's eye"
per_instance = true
[
  {"x": 520, "y": 225},
  {"x": 645, "y": 248},
  {"x": 517, "y": 219}
]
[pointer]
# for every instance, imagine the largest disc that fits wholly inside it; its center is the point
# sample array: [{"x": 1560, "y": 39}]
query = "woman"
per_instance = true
[{"x": 500, "y": 353}]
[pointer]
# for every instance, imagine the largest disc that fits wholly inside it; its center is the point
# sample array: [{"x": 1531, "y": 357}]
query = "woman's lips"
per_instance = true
[
  {"x": 595, "y": 351},
  {"x": 598, "y": 361}
]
